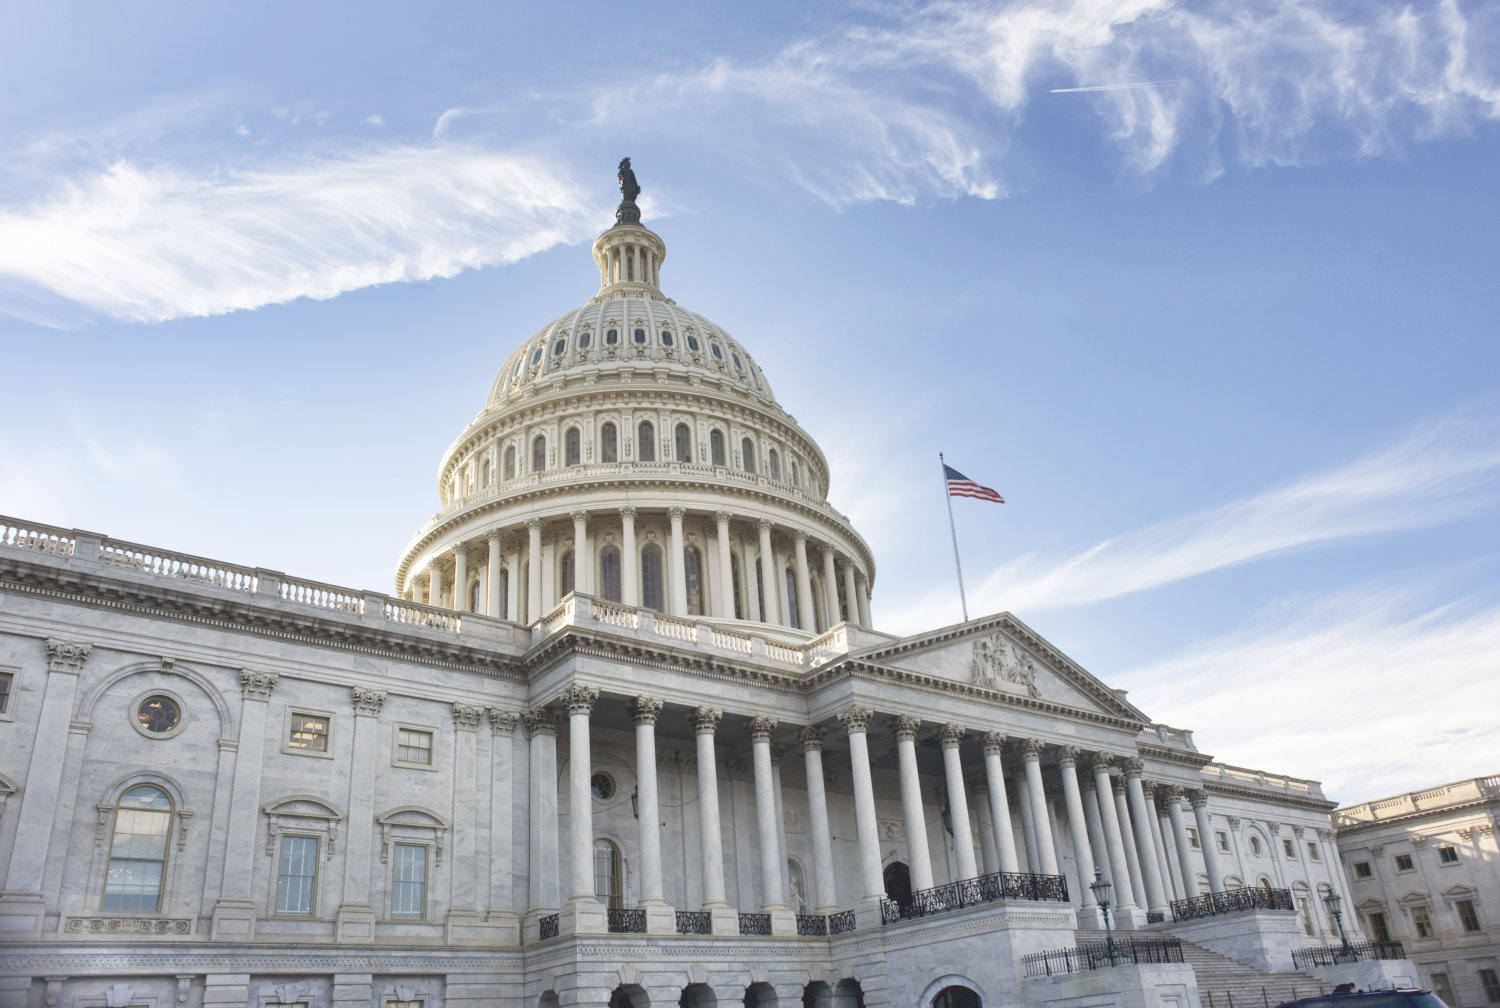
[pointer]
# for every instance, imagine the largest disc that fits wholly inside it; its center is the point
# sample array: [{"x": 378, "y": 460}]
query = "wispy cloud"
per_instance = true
[{"x": 148, "y": 243}]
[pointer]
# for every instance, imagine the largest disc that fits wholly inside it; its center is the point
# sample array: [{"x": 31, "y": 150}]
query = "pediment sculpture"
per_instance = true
[{"x": 996, "y": 661}]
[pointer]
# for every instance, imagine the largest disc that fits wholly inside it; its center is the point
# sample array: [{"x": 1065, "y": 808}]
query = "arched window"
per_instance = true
[
  {"x": 796, "y": 887},
  {"x": 666, "y": 338},
  {"x": 651, "y": 580},
  {"x": 773, "y": 465},
  {"x": 956, "y": 997},
  {"x": 609, "y": 881},
  {"x": 819, "y": 624},
  {"x": 640, "y": 336},
  {"x": 611, "y": 337},
  {"x": 609, "y": 443},
  {"x": 734, "y": 575},
  {"x": 684, "y": 443},
  {"x": 508, "y": 469},
  {"x": 791, "y": 464},
  {"x": 504, "y": 601},
  {"x": 692, "y": 572},
  {"x": 609, "y": 573},
  {"x": 584, "y": 338},
  {"x": 572, "y": 451},
  {"x": 897, "y": 878},
  {"x": 539, "y": 454},
  {"x": 716, "y": 447},
  {"x": 138, "y": 850},
  {"x": 645, "y": 442},
  {"x": 476, "y": 597},
  {"x": 747, "y": 455},
  {"x": 793, "y": 609},
  {"x": 566, "y": 572},
  {"x": 484, "y": 473}
]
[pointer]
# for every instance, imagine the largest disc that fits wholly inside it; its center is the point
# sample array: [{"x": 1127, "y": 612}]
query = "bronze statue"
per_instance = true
[{"x": 628, "y": 187}]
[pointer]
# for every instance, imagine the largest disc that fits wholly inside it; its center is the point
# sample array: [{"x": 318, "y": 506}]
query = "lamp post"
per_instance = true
[
  {"x": 1101, "y": 888},
  {"x": 1334, "y": 902}
]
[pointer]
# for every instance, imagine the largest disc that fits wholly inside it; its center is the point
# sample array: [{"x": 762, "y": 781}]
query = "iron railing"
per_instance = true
[
  {"x": 969, "y": 892},
  {"x": 1155, "y": 917},
  {"x": 695, "y": 922},
  {"x": 1329, "y": 955},
  {"x": 1095, "y": 954},
  {"x": 1233, "y": 901},
  {"x": 841, "y": 922},
  {"x": 627, "y": 921},
  {"x": 549, "y": 926},
  {"x": 812, "y": 924},
  {"x": 755, "y": 923}
]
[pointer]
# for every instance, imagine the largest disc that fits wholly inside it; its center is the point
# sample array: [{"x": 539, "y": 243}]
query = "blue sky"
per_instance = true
[{"x": 1207, "y": 290}]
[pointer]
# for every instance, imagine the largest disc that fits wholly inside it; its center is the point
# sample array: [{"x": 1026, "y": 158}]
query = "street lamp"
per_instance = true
[
  {"x": 1101, "y": 889},
  {"x": 1334, "y": 901}
]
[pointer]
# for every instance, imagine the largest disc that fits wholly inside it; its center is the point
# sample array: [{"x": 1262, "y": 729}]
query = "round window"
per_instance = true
[
  {"x": 158, "y": 714},
  {"x": 602, "y": 785},
  {"x": 1255, "y": 846}
]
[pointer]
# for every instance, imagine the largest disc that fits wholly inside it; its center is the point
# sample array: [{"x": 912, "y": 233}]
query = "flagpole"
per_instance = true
[{"x": 953, "y": 529}]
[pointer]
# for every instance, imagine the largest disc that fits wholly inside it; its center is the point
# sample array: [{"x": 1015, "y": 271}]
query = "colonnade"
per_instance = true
[{"x": 740, "y": 569}]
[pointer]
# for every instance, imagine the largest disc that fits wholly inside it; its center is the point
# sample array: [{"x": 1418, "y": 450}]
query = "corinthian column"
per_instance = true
[
  {"x": 579, "y": 701},
  {"x": 759, "y": 729},
  {"x": 849, "y": 593},
  {"x": 766, "y": 576},
  {"x": 644, "y": 710},
  {"x": 583, "y": 556},
  {"x": 705, "y": 720},
  {"x": 541, "y": 725},
  {"x": 1067, "y": 759},
  {"x": 1119, "y": 867},
  {"x": 830, "y": 587},
  {"x": 951, "y": 736},
  {"x": 856, "y": 721},
  {"x": 804, "y": 584},
  {"x": 811, "y": 738},
  {"x": 1139, "y": 815},
  {"x": 435, "y": 582},
  {"x": 1199, "y": 801},
  {"x": 918, "y": 858},
  {"x": 724, "y": 597},
  {"x": 675, "y": 572},
  {"x": 630, "y": 579},
  {"x": 1031, "y": 755},
  {"x": 534, "y": 607},
  {"x": 994, "y": 772},
  {"x": 461, "y": 578},
  {"x": 492, "y": 589}
]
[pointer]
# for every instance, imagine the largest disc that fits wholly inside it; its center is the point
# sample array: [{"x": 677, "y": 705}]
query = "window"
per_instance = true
[
  {"x": 1446, "y": 855},
  {"x": 6, "y": 678},
  {"x": 734, "y": 576},
  {"x": 651, "y": 583},
  {"x": 1379, "y": 928},
  {"x": 1422, "y": 921},
  {"x": 609, "y": 573},
  {"x": 603, "y": 786},
  {"x": 791, "y": 465},
  {"x": 503, "y": 602},
  {"x": 536, "y": 357},
  {"x": 692, "y": 342},
  {"x": 773, "y": 465},
  {"x": 404, "y": 1004},
  {"x": 714, "y": 348},
  {"x": 559, "y": 347},
  {"x": 956, "y": 997},
  {"x": 793, "y": 605},
  {"x": 609, "y": 443},
  {"x": 1223, "y": 840},
  {"x": 584, "y": 339},
  {"x": 747, "y": 455},
  {"x": 158, "y": 715},
  {"x": 1442, "y": 988},
  {"x": 1312, "y": 851},
  {"x": 666, "y": 338},
  {"x": 567, "y": 572},
  {"x": 1403, "y": 862},
  {"x": 1306, "y": 913},
  {"x": 484, "y": 473},
  {"x": 409, "y": 881},
  {"x": 476, "y": 597},
  {"x": 684, "y": 443},
  {"x": 1255, "y": 846},
  {"x": 1468, "y": 917},
  {"x": 737, "y": 363},
  {"x": 414, "y": 746},
  {"x": 692, "y": 571},
  {"x": 572, "y": 452},
  {"x": 308, "y": 732},
  {"x": 1288, "y": 847},
  {"x": 1491, "y": 984},
  {"x": 607, "y": 874},
  {"x": 508, "y": 470},
  {"x": 297, "y": 875},
  {"x": 612, "y": 337},
  {"x": 1361, "y": 869},
  {"x": 539, "y": 453},
  {"x": 716, "y": 448},
  {"x": 640, "y": 336},
  {"x": 645, "y": 441},
  {"x": 138, "y": 850},
  {"x": 1192, "y": 838}
]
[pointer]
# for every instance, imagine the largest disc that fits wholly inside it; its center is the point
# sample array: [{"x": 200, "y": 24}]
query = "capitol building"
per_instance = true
[{"x": 622, "y": 732}]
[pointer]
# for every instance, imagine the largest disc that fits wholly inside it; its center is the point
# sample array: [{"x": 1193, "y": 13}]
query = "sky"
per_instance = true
[{"x": 1206, "y": 289}]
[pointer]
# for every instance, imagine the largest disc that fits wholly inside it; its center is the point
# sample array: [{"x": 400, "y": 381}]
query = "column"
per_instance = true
[
  {"x": 644, "y": 710},
  {"x": 750, "y": 571},
  {"x": 356, "y": 918},
  {"x": 862, "y": 592},
  {"x": 502, "y": 824},
  {"x": 463, "y": 894},
  {"x": 705, "y": 720},
  {"x": 583, "y": 556},
  {"x": 856, "y": 721},
  {"x": 1156, "y": 897},
  {"x": 1119, "y": 867},
  {"x": 545, "y": 894},
  {"x": 492, "y": 590},
  {"x": 579, "y": 702},
  {"x": 830, "y": 588},
  {"x": 1095, "y": 827},
  {"x": 851, "y": 593},
  {"x": 804, "y": 584},
  {"x": 461, "y": 578},
  {"x": 534, "y": 604},
  {"x": 811, "y": 738},
  {"x": 1185, "y": 867},
  {"x": 766, "y": 573},
  {"x": 724, "y": 598},
  {"x": 759, "y": 729},
  {"x": 1031, "y": 755},
  {"x": 630, "y": 578},
  {"x": 1159, "y": 842},
  {"x": 1083, "y": 854},
  {"x": 435, "y": 583},
  {"x": 918, "y": 857},
  {"x": 1005, "y": 840},
  {"x": 1127, "y": 836},
  {"x": 1028, "y": 824},
  {"x": 951, "y": 736},
  {"x": 514, "y": 587},
  {"x": 1199, "y": 800},
  {"x": 674, "y": 573}
]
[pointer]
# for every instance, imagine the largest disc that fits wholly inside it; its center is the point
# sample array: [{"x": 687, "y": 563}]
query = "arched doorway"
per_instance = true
[
  {"x": 956, "y": 997},
  {"x": 898, "y": 882},
  {"x": 697, "y": 995},
  {"x": 629, "y": 996}
]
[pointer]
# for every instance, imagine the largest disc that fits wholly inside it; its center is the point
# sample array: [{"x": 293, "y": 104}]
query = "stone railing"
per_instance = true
[
  {"x": 1233, "y": 901},
  {"x": 1261, "y": 779},
  {"x": 34, "y": 536},
  {"x": 1464, "y": 792}
]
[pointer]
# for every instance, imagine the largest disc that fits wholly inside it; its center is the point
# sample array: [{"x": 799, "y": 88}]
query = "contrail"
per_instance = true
[{"x": 1118, "y": 87}]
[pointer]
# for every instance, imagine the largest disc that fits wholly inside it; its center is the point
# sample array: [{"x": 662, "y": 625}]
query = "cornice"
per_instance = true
[
  {"x": 1282, "y": 797},
  {"x": 200, "y": 957},
  {"x": 551, "y": 652},
  {"x": 1181, "y": 757},
  {"x": 1441, "y": 812}
]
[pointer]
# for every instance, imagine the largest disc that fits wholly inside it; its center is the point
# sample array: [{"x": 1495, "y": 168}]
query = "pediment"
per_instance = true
[
  {"x": 305, "y": 807},
  {"x": 1002, "y": 655},
  {"x": 413, "y": 815},
  {"x": 1414, "y": 899},
  {"x": 1459, "y": 891}
]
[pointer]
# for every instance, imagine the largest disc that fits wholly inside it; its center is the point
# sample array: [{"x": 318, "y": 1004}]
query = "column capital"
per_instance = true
[
  {"x": 645, "y": 709},
  {"x": 1172, "y": 791},
  {"x": 503, "y": 722},
  {"x": 723, "y": 517},
  {"x": 533, "y": 524},
  {"x": 1118, "y": 784},
  {"x": 579, "y": 699},
  {"x": 950, "y": 735},
  {"x": 1101, "y": 762},
  {"x": 811, "y": 737},
  {"x": 1068, "y": 755},
  {"x": 495, "y": 536},
  {"x": 855, "y": 718},
  {"x": 258, "y": 685},
  {"x": 579, "y": 516},
  {"x": 66, "y": 655},
  {"x": 759, "y": 728},
  {"x": 1031, "y": 749},
  {"x": 706, "y": 720},
  {"x": 367, "y": 702},
  {"x": 540, "y": 721},
  {"x": 799, "y": 537},
  {"x": 1148, "y": 788},
  {"x": 765, "y": 525},
  {"x": 628, "y": 512},
  {"x": 1198, "y": 798},
  {"x": 435, "y": 565},
  {"x": 1134, "y": 766},
  {"x": 676, "y": 512},
  {"x": 466, "y": 716},
  {"x": 904, "y": 727},
  {"x": 992, "y": 742}
]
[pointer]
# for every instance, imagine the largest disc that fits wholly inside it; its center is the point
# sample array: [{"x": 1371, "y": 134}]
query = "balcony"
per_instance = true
[
  {"x": 1233, "y": 901},
  {"x": 971, "y": 892}
]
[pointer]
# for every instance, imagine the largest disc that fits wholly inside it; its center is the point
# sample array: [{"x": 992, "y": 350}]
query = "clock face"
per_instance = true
[
  {"x": 602, "y": 786},
  {"x": 158, "y": 714}
]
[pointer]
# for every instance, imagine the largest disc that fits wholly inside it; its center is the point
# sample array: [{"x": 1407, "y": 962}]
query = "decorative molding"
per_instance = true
[
  {"x": 367, "y": 702},
  {"x": 466, "y": 716},
  {"x": 66, "y": 656},
  {"x": 257, "y": 685},
  {"x": 128, "y": 926},
  {"x": 855, "y": 718},
  {"x": 503, "y": 722},
  {"x": 811, "y": 737},
  {"x": 644, "y": 710}
]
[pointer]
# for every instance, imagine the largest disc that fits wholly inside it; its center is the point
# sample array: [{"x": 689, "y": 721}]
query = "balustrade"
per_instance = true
[
  {"x": 755, "y": 923},
  {"x": 35, "y": 536},
  {"x": 550, "y": 925},
  {"x": 969, "y": 892},
  {"x": 1333, "y": 955},
  {"x": 626, "y": 921},
  {"x": 695, "y": 922},
  {"x": 1233, "y": 901},
  {"x": 1092, "y": 955}
]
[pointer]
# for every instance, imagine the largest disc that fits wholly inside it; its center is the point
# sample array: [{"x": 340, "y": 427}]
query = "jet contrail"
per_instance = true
[{"x": 1118, "y": 87}]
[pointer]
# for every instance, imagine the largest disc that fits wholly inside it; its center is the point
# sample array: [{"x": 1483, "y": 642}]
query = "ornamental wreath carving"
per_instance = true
[{"x": 127, "y": 925}]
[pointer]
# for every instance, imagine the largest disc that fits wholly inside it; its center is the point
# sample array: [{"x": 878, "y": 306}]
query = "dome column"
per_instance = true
[
  {"x": 435, "y": 583},
  {"x": 630, "y": 585},
  {"x": 804, "y": 585},
  {"x": 830, "y": 587},
  {"x": 724, "y": 602},
  {"x": 749, "y": 571},
  {"x": 767, "y": 582},
  {"x": 534, "y": 573},
  {"x": 513, "y": 583},
  {"x": 460, "y": 578},
  {"x": 492, "y": 590},
  {"x": 850, "y": 593},
  {"x": 677, "y": 580},
  {"x": 583, "y": 557},
  {"x": 862, "y": 593}
]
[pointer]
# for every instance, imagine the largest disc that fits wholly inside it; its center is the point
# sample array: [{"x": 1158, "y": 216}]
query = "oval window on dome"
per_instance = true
[
  {"x": 692, "y": 342},
  {"x": 559, "y": 347},
  {"x": 612, "y": 337},
  {"x": 666, "y": 338},
  {"x": 584, "y": 338},
  {"x": 737, "y": 363},
  {"x": 716, "y": 351},
  {"x": 537, "y": 357},
  {"x": 640, "y": 335}
]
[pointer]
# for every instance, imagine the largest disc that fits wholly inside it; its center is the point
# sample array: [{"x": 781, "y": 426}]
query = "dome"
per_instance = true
[{"x": 633, "y": 451}]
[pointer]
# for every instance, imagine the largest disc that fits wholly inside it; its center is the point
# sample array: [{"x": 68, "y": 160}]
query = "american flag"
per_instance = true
[{"x": 960, "y": 485}]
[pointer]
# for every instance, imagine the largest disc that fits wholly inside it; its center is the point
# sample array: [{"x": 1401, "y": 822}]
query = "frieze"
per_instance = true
[{"x": 128, "y": 926}]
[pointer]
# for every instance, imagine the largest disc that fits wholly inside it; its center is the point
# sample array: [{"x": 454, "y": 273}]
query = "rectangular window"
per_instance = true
[
  {"x": 1289, "y": 847},
  {"x": 1442, "y": 988},
  {"x": 6, "y": 678},
  {"x": 1379, "y": 928},
  {"x": 413, "y": 746},
  {"x": 297, "y": 877},
  {"x": 308, "y": 732},
  {"x": 1312, "y": 851},
  {"x": 1447, "y": 855},
  {"x": 403, "y": 1004},
  {"x": 1223, "y": 839},
  {"x": 1491, "y": 984},
  {"x": 1422, "y": 921},
  {"x": 1403, "y": 862},
  {"x": 409, "y": 881},
  {"x": 1467, "y": 915},
  {"x": 1192, "y": 838},
  {"x": 1361, "y": 869}
]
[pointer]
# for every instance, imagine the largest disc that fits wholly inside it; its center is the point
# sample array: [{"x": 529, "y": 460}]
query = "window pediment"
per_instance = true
[
  {"x": 304, "y": 807},
  {"x": 1415, "y": 899}
]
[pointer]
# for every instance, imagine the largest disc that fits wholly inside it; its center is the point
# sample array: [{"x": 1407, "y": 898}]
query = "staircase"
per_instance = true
[{"x": 1228, "y": 983}]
